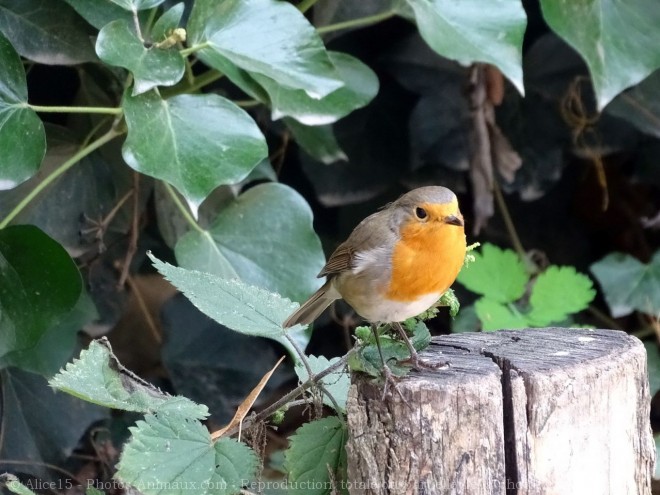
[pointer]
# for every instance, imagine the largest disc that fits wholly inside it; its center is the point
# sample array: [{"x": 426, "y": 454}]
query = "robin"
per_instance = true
[{"x": 396, "y": 263}]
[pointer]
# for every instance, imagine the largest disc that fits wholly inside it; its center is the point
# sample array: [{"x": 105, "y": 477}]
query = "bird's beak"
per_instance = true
[{"x": 454, "y": 220}]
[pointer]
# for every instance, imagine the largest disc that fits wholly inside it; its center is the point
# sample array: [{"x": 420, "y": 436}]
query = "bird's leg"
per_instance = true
[
  {"x": 414, "y": 359},
  {"x": 387, "y": 373}
]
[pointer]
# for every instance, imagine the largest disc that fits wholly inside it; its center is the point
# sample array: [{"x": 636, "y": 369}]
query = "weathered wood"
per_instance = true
[{"x": 542, "y": 411}]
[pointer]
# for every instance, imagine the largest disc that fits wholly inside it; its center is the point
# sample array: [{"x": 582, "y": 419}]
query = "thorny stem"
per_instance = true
[
  {"x": 266, "y": 413},
  {"x": 49, "y": 179}
]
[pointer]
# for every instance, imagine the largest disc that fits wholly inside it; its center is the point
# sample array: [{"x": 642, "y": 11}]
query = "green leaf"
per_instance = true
[
  {"x": 317, "y": 449},
  {"x": 135, "y": 5},
  {"x": 56, "y": 344},
  {"x": 557, "y": 293},
  {"x": 167, "y": 455},
  {"x": 496, "y": 316},
  {"x": 319, "y": 142},
  {"x": 449, "y": 299},
  {"x": 286, "y": 261},
  {"x": 234, "y": 304},
  {"x": 471, "y": 31},
  {"x": 629, "y": 284},
  {"x": 466, "y": 321},
  {"x": 14, "y": 485},
  {"x": 336, "y": 383},
  {"x": 360, "y": 87},
  {"x": 117, "y": 44},
  {"x": 266, "y": 37},
  {"x": 46, "y": 32},
  {"x": 96, "y": 376},
  {"x": 18, "y": 124},
  {"x": 497, "y": 274},
  {"x": 98, "y": 14},
  {"x": 594, "y": 29},
  {"x": 30, "y": 434},
  {"x": 167, "y": 22},
  {"x": 194, "y": 142},
  {"x": 640, "y": 105},
  {"x": 39, "y": 285}
]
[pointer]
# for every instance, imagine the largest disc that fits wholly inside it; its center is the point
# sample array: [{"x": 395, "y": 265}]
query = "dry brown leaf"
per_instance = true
[{"x": 246, "y": 405}]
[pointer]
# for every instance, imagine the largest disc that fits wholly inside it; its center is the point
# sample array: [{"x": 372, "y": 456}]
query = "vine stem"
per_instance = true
[
  {"x": 195, "y": 48},
  {"x": 49, "y": 179},
  {"x": 182, "y": 208},
  {"x": 354, "y": 23},
  {"x": 267, "y": 412},
  {"x": 508, "y": 221},
  {"x": 102, "y": 110},
  {"x": 305, "y": 5}
]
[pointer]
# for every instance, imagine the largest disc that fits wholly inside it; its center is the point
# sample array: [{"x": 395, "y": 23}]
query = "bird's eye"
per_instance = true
[{"x": 420, "y": 213}]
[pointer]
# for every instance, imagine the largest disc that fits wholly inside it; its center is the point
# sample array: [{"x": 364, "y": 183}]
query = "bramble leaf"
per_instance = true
[
  {"x": 497, "y": 274},
  {"x": 558, "y": 292},
  {"x": 496, "y": 316},
  {"x": 336, "y": 383}
]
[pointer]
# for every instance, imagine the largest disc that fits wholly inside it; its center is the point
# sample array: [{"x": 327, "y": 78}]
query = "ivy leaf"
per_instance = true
[
  {"x": 469, "y": 31},
  {"x": 319, "y": 142},
  {"x": 14, "y": 485},
  {"x": 117, "y": 44},
  {"x": 498, "y": 274},
  {"x": 266, "y": 37},
  {"x": 629, "y": 284},
  {"x": 39, "y": 285},
  {"x": 360, "y": 87},
  {"x": 496, "y": 316},
  {"x": 169, "y": 21},
  {"x": 194, "y": 142},
  {"x": 640, "y": 105},
  {"x": 96, "y": 376},
  {"x": 336, "y": 383},
  {"x": 168, "y": 451},
  {"x": 558, "y": 292},
  {"x": 286, "y": 261},
  {"x": 234, "y": 304},
  {"x": 135, "y": 5},
  {"x": 18, "y": 123},
  {"x": 594, "y": 27},
  {"x": 316, "y": 449},
  {"x": 98, "y": 14},
  {"x": 46, "y": 32}
]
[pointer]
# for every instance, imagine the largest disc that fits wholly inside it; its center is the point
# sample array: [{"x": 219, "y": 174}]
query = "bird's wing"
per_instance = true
[{"x": 372, "y": 233}]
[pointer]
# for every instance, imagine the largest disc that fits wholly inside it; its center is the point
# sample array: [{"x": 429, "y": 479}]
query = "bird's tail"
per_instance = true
[{"x": 313, "y": 307}]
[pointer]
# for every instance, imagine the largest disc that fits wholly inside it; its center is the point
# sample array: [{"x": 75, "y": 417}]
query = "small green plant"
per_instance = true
[{"x": 512, "y": 298}]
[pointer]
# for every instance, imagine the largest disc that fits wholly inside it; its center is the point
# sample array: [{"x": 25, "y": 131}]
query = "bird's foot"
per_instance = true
[
  {"x": 418, "y": 363},
  {"x": 390, "y": 381}
]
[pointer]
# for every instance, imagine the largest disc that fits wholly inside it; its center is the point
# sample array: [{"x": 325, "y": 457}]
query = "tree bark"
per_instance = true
[{"x": 538, "y": 411}]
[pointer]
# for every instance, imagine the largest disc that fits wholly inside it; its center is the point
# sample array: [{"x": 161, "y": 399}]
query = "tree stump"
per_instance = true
[{"x": 533, "y": 412}]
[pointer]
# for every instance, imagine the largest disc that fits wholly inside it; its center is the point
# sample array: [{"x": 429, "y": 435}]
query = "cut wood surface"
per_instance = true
[{"x": 537, "y": 411}]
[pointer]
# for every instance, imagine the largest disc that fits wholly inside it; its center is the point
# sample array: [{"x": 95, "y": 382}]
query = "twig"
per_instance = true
[
  {"x": 267, "y": 412},
  {"x": 151, "y": 324},
  {"x": 132, "y": 243}
]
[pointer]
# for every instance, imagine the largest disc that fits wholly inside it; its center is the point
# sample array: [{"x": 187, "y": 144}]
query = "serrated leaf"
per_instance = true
[
  {"x": 558, "y": 292},
  {"x": 629, "y": 284},
  {"x": 28, "y": 433},
  {"x": 286, "y": 261},
  {"x": 450, "y": 300},
  {"x": 319, "y": 142},
  {"x": 167, "y": 22},
  {"x": 194, "y": 142},
  {"x": 497, "y": 274},
  {"x": 336, "y": 383},
  {"x": 47, "y": 32},
  {"x": 167, "y": 455},
  {"x": 496, "y": 316},
  {"x": 315, "y": 449},
  {"x": 18, "y": 123},
  {"x": 117, "y": 44},
  {"x": 39, "y": 285},
  {"x": 471, "y": 31},
  {"x": 266, "y": 37},
  {"x": 360, "y": 87},
  {"x": 96, "y": 376},
  {"x": 135, "y": 5},
  {"x": 235, "y": 304},
  {"x": 594, "y": 27}
]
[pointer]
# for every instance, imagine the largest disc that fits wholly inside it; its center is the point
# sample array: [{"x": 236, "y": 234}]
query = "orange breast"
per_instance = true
[{"x": 426, "y": 260}]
